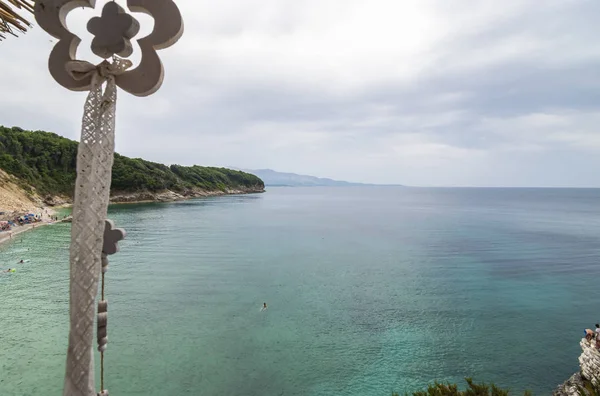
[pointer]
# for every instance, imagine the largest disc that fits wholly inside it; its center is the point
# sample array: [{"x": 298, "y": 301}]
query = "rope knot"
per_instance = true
[
  {"x": 80, "y": 70},
  {"x": 103, "y": 69}
]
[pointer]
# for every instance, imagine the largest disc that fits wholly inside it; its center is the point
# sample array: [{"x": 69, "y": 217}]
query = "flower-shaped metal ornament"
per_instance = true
[
  {"x": 112, "y": 236},
  {"x": 112, "y": 32}
]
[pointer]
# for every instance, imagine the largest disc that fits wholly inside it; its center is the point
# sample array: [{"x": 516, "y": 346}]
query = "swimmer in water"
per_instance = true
[
  {"x": 21, "y": 262},
  {"x": 264, "y": 306},
  {"x": 10, "y": 270}
]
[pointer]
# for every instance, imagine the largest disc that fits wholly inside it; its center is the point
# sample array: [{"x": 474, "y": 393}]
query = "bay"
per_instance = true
[{"x": 369, "y": 289}]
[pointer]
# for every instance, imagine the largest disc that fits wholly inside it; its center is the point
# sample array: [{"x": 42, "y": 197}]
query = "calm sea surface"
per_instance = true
[{"x": 369, "y": 290}]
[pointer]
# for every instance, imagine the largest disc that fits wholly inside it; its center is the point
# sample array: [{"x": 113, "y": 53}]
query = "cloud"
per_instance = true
[
  {"x": 572, "y": 130},
  {"x": 415, "y": 92}
]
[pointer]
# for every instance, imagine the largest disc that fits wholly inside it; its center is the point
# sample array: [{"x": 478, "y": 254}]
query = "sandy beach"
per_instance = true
[
  {"x": 16, "y": 230},
  {"x": 8, "y": 235}
]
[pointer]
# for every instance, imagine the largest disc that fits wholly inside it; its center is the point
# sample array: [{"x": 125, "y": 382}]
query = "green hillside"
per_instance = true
[{"x": 47, "y": 162}]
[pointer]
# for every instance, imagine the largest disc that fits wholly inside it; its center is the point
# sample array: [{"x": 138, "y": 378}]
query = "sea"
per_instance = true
[{"x": 369, "y": 290}]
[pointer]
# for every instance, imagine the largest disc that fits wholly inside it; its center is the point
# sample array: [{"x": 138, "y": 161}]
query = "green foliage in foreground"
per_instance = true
[
  {"x": 47, "y": 162},
  {"x": 589, "y": 389},
  {"x": 473, "y": 389}
]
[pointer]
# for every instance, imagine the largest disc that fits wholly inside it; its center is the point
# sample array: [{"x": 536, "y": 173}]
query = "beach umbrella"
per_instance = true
[
  {"x": 12, "y": 19},
  {"x": 92, "y": 235}
]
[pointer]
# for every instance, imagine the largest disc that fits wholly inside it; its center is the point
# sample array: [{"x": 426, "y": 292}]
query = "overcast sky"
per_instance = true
[{"x": 417, "y": 92}]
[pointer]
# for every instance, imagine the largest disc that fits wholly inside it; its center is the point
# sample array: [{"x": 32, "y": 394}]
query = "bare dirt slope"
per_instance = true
[{"x": 14, "y": 199}]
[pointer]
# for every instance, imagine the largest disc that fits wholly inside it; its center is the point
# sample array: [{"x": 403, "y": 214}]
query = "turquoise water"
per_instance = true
[{"x": 369, "y": 290}]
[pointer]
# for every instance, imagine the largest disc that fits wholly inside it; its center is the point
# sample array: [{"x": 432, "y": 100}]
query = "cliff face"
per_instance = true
[{"x": 589, "y": 362}]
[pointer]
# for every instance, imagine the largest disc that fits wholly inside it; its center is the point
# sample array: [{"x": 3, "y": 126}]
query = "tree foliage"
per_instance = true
[
  {"x": 47, "y": 162},
  {"x": 588, "y": 389}
]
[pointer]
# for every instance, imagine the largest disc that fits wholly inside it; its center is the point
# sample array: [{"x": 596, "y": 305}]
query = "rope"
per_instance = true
[
  {"x": 103, "y": 324},
  {"x": 101, "y": 351},
  {"x": 94, "y": 167},
  {"x": 102, "y": 371},
  {"x": 110, "y": 241}
]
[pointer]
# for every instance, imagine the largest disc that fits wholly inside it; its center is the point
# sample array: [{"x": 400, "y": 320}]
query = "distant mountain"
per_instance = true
[{"x": 274, "y": 178}]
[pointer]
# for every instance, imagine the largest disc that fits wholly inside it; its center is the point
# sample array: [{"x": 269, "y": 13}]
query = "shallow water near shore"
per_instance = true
[{"x": 369, "y": 290}]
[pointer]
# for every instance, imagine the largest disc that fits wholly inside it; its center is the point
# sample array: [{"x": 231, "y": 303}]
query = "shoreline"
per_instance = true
[
  {"x": 171, "y": 196},
  {"x": 123, "y": 199},
  {"x": 9, "y": 235},
  {"x": 16, "y": 230}
]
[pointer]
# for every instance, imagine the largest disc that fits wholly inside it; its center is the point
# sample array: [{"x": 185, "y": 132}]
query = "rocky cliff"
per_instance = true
[
  {"x": 589, "y": 362},
  {"x": 168, "y": 195}
]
